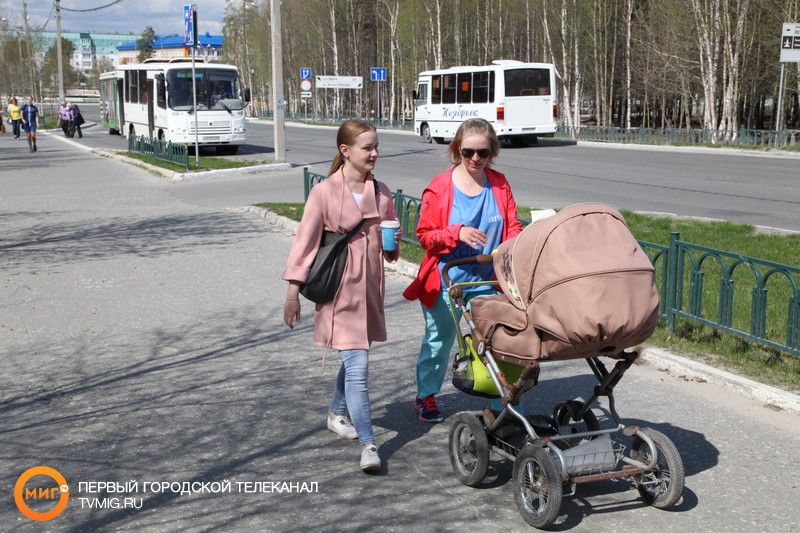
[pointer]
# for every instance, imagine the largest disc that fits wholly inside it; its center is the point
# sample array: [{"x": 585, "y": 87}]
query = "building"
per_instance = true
[
  {"x": 91, "y": 49},
  {"x": 171, "y": 46}
]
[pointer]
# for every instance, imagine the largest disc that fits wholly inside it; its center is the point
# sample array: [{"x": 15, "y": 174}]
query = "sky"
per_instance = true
[{"x": 124, "y": 16}]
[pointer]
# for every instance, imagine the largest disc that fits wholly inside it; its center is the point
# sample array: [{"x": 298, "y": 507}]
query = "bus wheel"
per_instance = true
[
  {"x": 161, "y": 135},
  {"x": 426, "y": 133}
]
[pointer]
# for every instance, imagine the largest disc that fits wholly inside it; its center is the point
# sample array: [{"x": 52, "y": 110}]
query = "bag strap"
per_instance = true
[{"x": 355, "y": 229}]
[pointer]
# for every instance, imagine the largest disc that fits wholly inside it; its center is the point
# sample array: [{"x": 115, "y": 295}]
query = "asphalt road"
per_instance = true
[
  {"x": 142, "y": 342},
  {"x": 736, "y": 185}
]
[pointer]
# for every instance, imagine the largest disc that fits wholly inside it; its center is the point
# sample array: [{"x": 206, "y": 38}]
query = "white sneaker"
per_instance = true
[
  {"x": 342, "y": 426},
  {"x": 370, "y": 461}
]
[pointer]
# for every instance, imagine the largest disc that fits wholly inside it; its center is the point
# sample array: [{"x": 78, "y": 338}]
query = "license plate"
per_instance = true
[{"x": 211, "y": 138}]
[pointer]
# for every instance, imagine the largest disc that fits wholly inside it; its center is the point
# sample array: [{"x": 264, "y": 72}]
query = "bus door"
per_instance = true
[
  {"x": 150, "y": 109},
  {"x": 120, "y": 104}
]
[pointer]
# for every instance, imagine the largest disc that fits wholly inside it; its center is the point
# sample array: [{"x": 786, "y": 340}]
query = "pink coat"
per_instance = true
[{"x": 354, "y": 318}]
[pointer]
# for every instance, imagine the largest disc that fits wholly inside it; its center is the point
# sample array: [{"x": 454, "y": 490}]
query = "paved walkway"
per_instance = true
[{"x": 142, "y": 342}]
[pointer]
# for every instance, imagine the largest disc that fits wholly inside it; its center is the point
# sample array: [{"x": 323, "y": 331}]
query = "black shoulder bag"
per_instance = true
[{"x": 326, "y": 272}]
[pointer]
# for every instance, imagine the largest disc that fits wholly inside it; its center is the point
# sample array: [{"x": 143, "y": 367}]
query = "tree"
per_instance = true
[
  {"x": 145, "y": 44},
  {"x": 49, "y": 72}
]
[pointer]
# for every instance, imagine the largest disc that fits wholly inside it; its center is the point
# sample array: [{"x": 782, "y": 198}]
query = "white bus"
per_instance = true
[
  {"x": 518, "y": 99},
  {"x": 157, "y": 102}
]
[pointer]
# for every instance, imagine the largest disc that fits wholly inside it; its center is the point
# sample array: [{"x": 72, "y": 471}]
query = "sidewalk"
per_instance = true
[{"x": 143, "y": 343}]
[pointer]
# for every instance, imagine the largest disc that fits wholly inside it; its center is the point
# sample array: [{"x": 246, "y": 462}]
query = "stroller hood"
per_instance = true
[{"x": 582, "y": 280}]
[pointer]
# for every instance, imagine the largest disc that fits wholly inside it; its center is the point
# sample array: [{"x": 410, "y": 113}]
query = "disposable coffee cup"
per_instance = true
[
  {"x": 388, "y": 230},
  {"x": 541, "y": 214}
]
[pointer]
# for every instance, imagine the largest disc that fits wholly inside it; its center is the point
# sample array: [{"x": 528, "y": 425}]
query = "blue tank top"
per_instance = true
[{"x": 479, "y": 211}]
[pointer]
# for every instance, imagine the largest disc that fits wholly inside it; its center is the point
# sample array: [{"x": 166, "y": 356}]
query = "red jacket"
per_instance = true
[{"x": 438, "y": 237}]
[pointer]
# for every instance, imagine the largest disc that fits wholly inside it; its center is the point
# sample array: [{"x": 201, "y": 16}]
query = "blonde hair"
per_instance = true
[
  {"x": 473, "y": 126},
  {"x": 347, "y": 135}
]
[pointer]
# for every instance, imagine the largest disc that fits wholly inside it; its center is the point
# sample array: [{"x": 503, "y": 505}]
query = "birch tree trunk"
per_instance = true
[
  {"x": 707, "y": 23},
  {"x": 628, "y": 22}
]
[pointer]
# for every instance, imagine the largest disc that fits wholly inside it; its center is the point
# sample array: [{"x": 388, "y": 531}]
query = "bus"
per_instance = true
[
  {"x": 518, "y": 99},
  {"x": 111, "y": 101},
  {"x": 156, "y": 101}
]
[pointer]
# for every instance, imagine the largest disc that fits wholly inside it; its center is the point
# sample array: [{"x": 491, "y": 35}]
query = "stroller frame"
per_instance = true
[{"x": 567, "y": 448}]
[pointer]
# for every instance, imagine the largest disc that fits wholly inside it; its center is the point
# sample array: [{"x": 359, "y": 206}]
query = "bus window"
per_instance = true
[
  {"x": 527, "y": 82},
  {"x": 142, "y": 87},
  {"x": 464, "y": 95},
  {"x": 480, "y": 87},
  {"x": 449, "y": 89},
  {"x": 436, "y": 90},
  {"x": 132, "y": 83},
  {"x": 421, "y": 98}
]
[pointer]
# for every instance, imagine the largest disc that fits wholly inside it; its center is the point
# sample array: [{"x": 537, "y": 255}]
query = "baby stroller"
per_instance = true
[{"x": 575, "y": 285}]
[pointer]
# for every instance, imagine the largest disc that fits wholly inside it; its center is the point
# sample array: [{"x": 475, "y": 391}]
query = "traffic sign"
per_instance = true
[
  {"x": 377, "y": 74},
  {"x": 340, "y": 82},
  {"x": 790, "y": 43},
  {"x": 305, "y": 85},
  {"x": 305, "y": 94},
  {"x": 305, "y": 73}
]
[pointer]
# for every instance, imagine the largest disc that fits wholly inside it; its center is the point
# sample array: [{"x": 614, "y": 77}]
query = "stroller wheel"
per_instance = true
[
  {"x": 469, "y": 449},
  {"x": 662, "y": 487},
  {"x": 537, "y": 486}
]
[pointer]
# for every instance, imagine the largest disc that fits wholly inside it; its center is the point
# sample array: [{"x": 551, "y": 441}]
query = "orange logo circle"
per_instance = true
[{"x": 63, "y": 489}]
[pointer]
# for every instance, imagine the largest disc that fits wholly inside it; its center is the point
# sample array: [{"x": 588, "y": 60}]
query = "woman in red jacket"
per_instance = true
[{"x": 466, "y": 210}]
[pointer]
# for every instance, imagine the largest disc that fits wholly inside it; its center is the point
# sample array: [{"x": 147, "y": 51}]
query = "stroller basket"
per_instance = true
[{"x": 593, "y": 457}]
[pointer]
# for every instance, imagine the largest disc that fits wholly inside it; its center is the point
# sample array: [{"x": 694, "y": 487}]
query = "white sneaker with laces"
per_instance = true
[
  {"x": 342, "y": 426},
  {"x": 370, "y": 461}
]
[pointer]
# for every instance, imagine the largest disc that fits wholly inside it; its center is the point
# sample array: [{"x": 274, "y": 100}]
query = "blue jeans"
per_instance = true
[
  {"x": 351, "y": 394},
  {"x": 440, "y": 334}
]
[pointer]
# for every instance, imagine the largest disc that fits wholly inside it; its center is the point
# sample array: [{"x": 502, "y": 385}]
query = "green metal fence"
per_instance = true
[
  {"x": 685, "y": 137},
  {"x": 696, "y": 283},
  {"x": 165, "y": 151}
]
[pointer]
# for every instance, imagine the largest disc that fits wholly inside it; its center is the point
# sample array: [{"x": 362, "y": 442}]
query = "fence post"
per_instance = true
[
  {"x": 306, "y": 183},
  {"x": 672, "y": 280},
  {"x": 398, "y": 202}
]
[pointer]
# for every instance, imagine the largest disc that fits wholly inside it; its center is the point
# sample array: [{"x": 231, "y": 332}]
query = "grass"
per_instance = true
[
  {"x": 690, "y": 339},
  {"x": 206, "y": 163}
]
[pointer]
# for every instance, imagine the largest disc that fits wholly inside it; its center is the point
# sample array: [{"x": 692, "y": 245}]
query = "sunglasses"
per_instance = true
[{"x": 483, "y": 153}]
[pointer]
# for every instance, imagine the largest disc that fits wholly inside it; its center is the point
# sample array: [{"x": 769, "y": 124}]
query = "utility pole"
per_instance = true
[
  {"x": 31, "y": 70},
  {"x": 277, "y": 83},
  {"x": 58, "y": 52}
]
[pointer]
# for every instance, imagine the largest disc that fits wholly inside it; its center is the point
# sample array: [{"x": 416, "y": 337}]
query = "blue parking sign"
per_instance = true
[{"x": 305, "y": 73}]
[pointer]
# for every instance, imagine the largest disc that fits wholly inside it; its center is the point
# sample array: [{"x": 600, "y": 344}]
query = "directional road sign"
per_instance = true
[
  {"x": 340, "y": 82},
  {"x": 790, "y": 43},
  {"x": 377, "y": 74},
  {"x": 305, "y": 73}
]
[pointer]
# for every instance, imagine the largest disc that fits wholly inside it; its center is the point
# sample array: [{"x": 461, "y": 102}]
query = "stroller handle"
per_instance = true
[{"x": 481, "y": 259}]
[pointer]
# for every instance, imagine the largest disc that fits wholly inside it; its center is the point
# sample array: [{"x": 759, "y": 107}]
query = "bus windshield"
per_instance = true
[{"x": 216, "y": 89}]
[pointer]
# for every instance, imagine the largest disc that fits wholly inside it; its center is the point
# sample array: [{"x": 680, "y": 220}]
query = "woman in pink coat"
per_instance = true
[{"x": 354, "y": 318}]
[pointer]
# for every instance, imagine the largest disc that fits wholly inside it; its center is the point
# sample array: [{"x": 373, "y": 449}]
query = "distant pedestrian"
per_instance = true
[
  {"x": 30, "y": 121},
  {"x": 16, "y": 117},
  {"x": 75, "y": 120},
  {"x": 64, "y": 118}
]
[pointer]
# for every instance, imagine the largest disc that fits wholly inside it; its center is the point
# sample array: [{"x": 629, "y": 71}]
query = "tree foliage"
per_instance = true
[
  {"x": 145, "y": 44},
  {"x": 653, "y": 63},
  {"x": 49, "y": 71}
]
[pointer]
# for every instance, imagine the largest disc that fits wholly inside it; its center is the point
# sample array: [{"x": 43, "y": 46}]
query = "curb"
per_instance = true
[
  {"x": 171, "y": 174},
  {"x": 764, "y": 393},
  {"x": 689, "y": 367}
]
